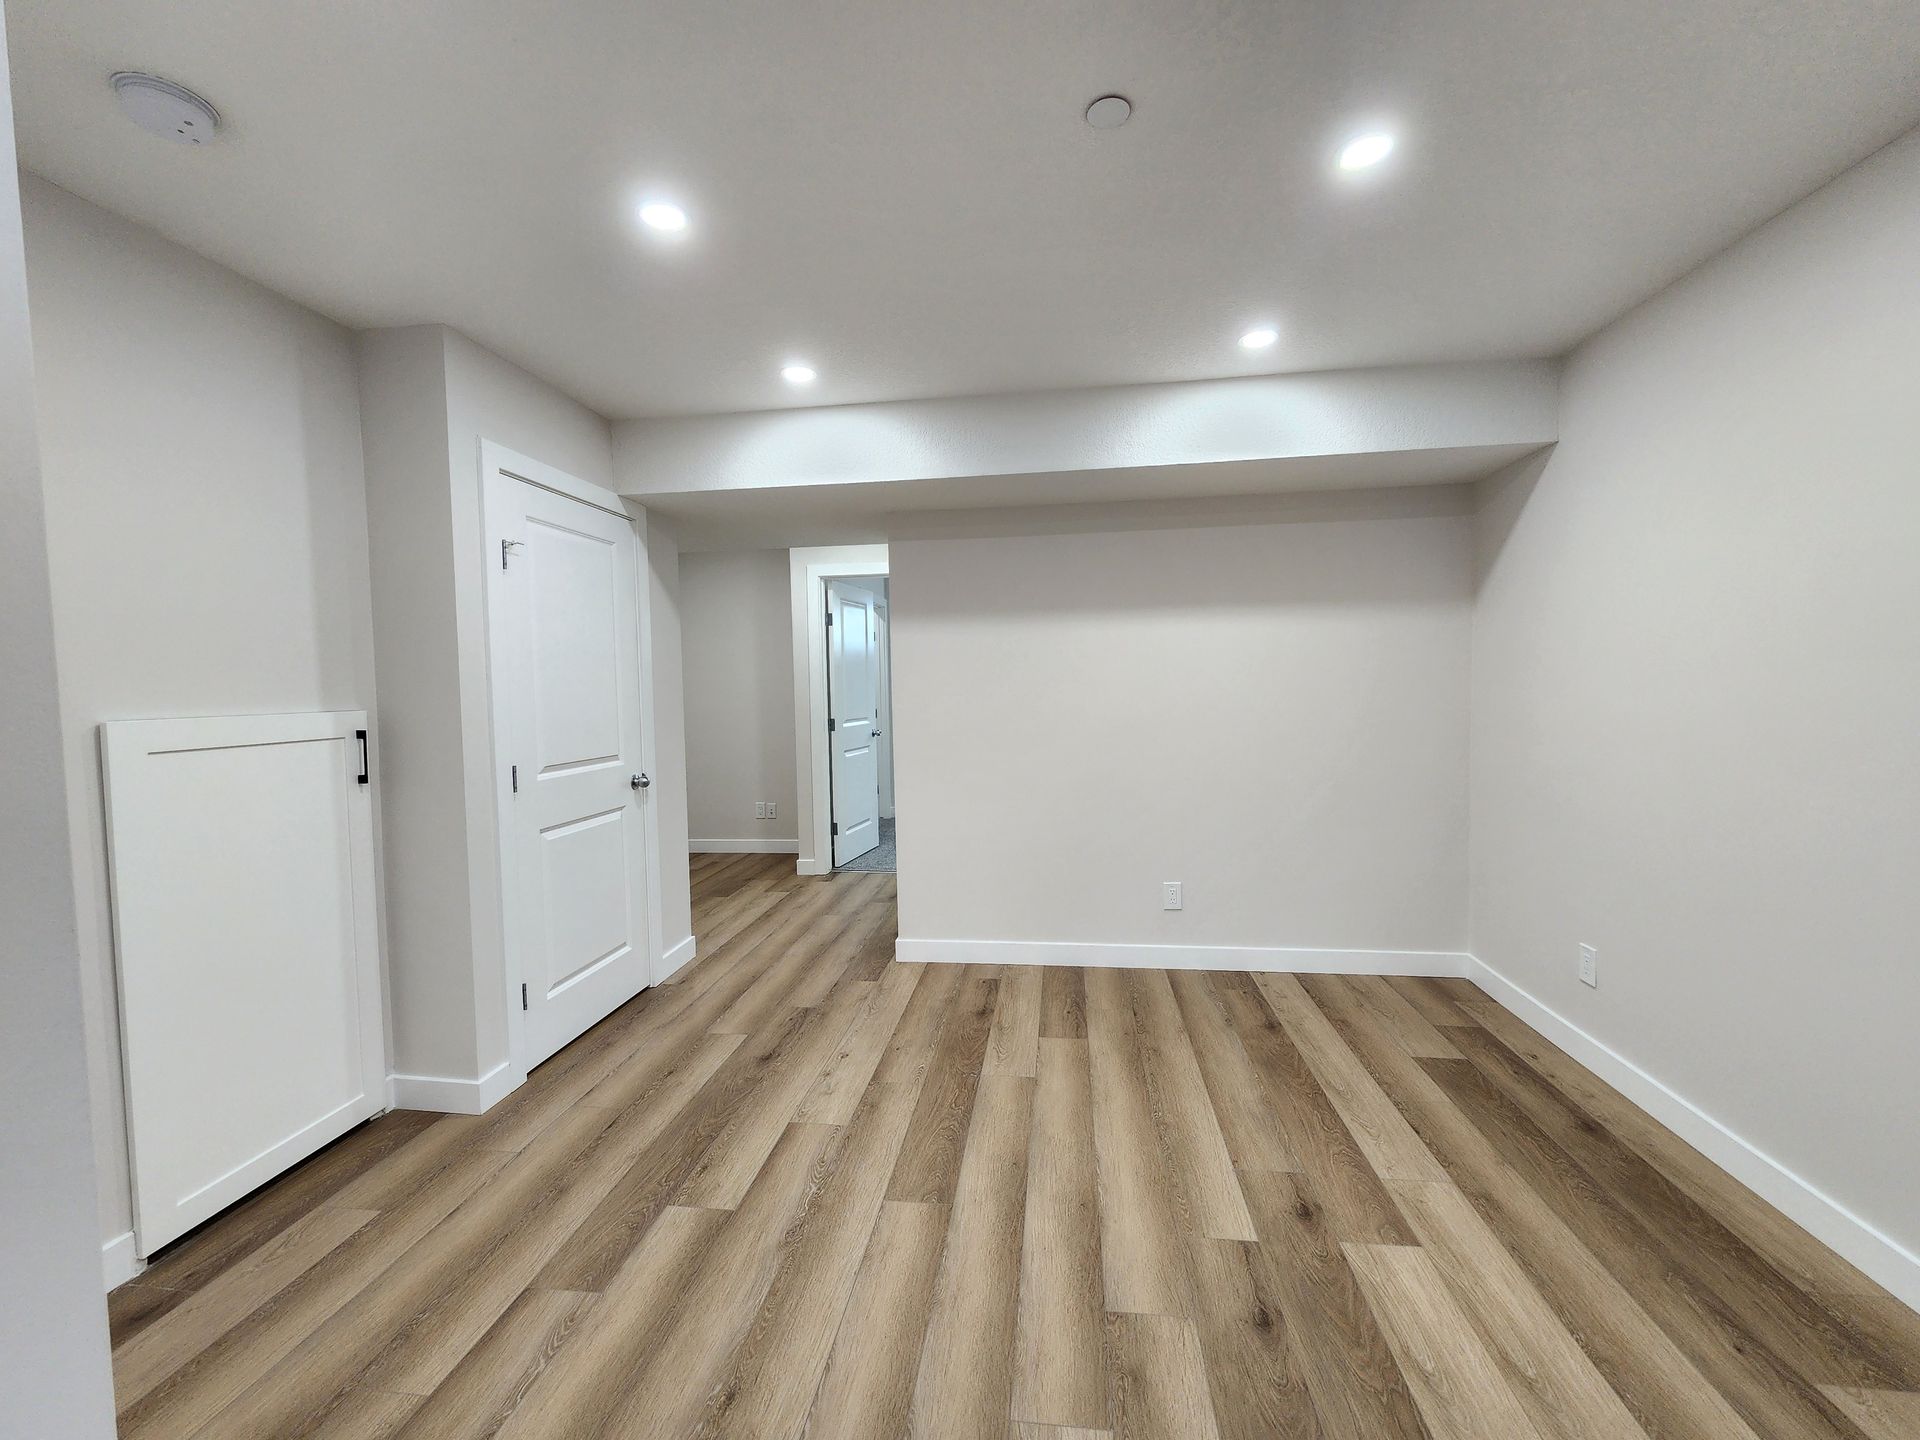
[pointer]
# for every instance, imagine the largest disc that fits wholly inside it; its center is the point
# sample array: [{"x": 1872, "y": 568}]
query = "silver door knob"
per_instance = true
[{"x": 640, "y": 781}]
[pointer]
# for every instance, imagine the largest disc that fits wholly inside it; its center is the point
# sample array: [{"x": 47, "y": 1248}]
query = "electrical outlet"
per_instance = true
[
  {"x": 1589, "y": 965},
  {"x": 1170, "y": 895},
  {"x": 773, "y": 810},
  {"x": 759, "y": 809}
]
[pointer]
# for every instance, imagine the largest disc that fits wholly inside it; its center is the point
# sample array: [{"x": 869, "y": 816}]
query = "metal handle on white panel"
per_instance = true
[{"x": 640, "y": 781}]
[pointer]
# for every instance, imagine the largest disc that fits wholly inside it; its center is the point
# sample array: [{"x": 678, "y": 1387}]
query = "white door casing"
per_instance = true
[
  {"x": 247, "y": 936},
  {"x": 853, "y": 693},
  {"x": 884, "y": 745},
  {"x": 565, "y": 652}
]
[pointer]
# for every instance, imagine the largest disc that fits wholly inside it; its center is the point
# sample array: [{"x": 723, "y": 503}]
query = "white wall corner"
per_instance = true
[
  {"x": 675, "y": 958},
  {"x": 1258, "y": 959},
  {"x": 1879, "y": 1256},
  {"x": 118, "y": 1261},
  {"x": 453, "y": 1096}
]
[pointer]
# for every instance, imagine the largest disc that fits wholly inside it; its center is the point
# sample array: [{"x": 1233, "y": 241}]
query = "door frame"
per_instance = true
[
  {"x": 498, "y": 460},
  {"x": 810, "y": 569}
]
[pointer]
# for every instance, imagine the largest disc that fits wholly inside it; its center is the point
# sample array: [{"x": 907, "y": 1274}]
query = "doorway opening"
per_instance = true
[{"x": 860, "y": 724}]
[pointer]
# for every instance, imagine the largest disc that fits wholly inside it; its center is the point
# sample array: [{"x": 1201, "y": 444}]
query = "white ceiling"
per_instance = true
[{"x": 905, "y": 193}]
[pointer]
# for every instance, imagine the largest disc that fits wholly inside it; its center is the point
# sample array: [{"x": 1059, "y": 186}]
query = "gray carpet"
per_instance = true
[{"x": 879, "y": 860}]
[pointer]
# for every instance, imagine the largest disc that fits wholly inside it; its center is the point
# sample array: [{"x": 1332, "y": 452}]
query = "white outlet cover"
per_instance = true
[
  {"x": 1589, "y": 965},
  {"x": 1170, "y": 895},
  {"x": 773, "y": 809}
]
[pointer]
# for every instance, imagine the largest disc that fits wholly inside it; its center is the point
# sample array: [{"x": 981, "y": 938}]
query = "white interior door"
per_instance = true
[
  {"x": 247, "y": 939},
  {"x": 853, "y": 693},
  {"x": 564, "y": 610}
]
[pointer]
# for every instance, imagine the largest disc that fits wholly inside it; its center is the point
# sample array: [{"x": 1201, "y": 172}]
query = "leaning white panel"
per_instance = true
[{"x": 241, "y": 857}]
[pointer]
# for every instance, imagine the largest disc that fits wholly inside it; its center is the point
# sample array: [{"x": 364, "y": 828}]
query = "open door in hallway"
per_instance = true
[{"x": 853, "y": 692}]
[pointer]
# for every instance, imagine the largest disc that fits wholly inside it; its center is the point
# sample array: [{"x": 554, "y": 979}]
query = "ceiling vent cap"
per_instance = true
[{"x": 167, "y": 109}]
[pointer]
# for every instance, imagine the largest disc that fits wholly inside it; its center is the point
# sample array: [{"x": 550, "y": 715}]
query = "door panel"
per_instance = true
[
  {"x": 248, "y": 961},
  {"x": 853, "y": 689},
  {"x": 565, "y": 616}
]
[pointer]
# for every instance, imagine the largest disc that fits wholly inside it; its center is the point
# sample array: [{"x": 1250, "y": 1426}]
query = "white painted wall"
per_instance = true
[
  {"x": 1697, "y": 694},
  {"x": 668, "y": 793},
  {"x": 1274, "y": 715},
  {"x": 737, "y": 618},
  {"x": 206, "y": 524},
  {"x": 53, "y": 1324},
  {"x": 429, "y": 397}
]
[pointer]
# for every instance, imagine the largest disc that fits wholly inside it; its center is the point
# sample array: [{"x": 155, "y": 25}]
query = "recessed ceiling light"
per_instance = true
[
  {"x": 1259, "y": 338},
  {"x": 1365, "y": 151},
  {"x": 797, "y": 374},
  {"x": 664, "y": 216},
  {"x": 1109, "y": 112}
]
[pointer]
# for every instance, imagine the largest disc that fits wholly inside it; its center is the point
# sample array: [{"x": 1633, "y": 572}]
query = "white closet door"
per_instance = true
[
  {"x": 566, "y": 637},
  {"x": 248, "y": 945},
  {"x": 853, "y": 689}
]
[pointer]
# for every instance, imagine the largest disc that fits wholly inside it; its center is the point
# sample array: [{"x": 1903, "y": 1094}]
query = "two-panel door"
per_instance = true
[
  {"x": 565, "y": 614},
  {"x": 853, "y": 697}
]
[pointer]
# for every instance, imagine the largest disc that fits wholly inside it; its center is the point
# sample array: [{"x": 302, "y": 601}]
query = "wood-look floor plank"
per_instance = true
[
  {"x": 1059, "y": 1347},
  {"x": 1410, "y": 1029},
  {"x": 1440, "y": 1010},
  {"x": 1142, "y": 1258},
  {"x": 1157, "y": 1385},
  {"x": 1063, "y": 1003},
  {"x": 1027, "y": 1430},
  {"x": 1357, "y": 1205},
  {"x": 868, "y": 1386},
  {"x": 928, "y": 1168},
  {"x": 1013, "y": 1045},
  {"x": 1253, "y": 1367},
  {"x": 657, "y": 1386},
  {"x": 1658, "y": 1382},
  {"x": 1880, "y": 1414},
  {"x": 228, "y": 1299},
  {"x": 1814, "y": 1341},
  {"x": 1456, "y": 1384},
  {"x": 1789, "y": 1248},
  {"x": 1207, "y": 1191},
  {"x": 1564, "y": 1394},
  {"x": 1380, "y": 1131},
  {"x": 1253, "y": 1133},
  {"x": 1348, "y": 1367},
  {"x": 875, "y": 1014},
  {"x": 204, "y": 1386},
  {"x": 769, "y": 1381},
  {"x": 965, "y": 1384},
  {"x": 1738, "y": 1366},
  {"x": 486, "y": 1387}
]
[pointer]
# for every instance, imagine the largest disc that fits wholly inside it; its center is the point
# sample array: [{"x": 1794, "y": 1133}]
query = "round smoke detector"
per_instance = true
[
  {"x": 165, "y": 108},
  {"x": 1109, "y": 112}
]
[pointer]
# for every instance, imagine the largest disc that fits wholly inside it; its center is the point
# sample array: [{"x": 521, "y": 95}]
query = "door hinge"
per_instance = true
[
  {"x": 365, "y": 774},
  {"x": 836, "y": 827},
  {"x": 829, "y": 619},
  {"x": 523, "y": 997},
  {"x": 832, "y": 725},
  {"x": 513, "y": 773}
]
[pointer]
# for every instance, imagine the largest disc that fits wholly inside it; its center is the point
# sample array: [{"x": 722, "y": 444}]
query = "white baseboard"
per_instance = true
[
  {"x": 813, "y": 867},
  {"x": 743, "y": 847},
  {"x": 675, "y": 957},
  {"x": 1258, "y": 958},
  {"x": 452, "y": 1096},
  {"x": 118, "y": 1262},
  {"x": 1882, "y": 1258}
]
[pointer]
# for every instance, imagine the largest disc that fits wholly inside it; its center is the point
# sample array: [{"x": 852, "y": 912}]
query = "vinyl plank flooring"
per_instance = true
[
  {"x": 803, "y": 1190},
  {"x": 1060, "y": 1374}
]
